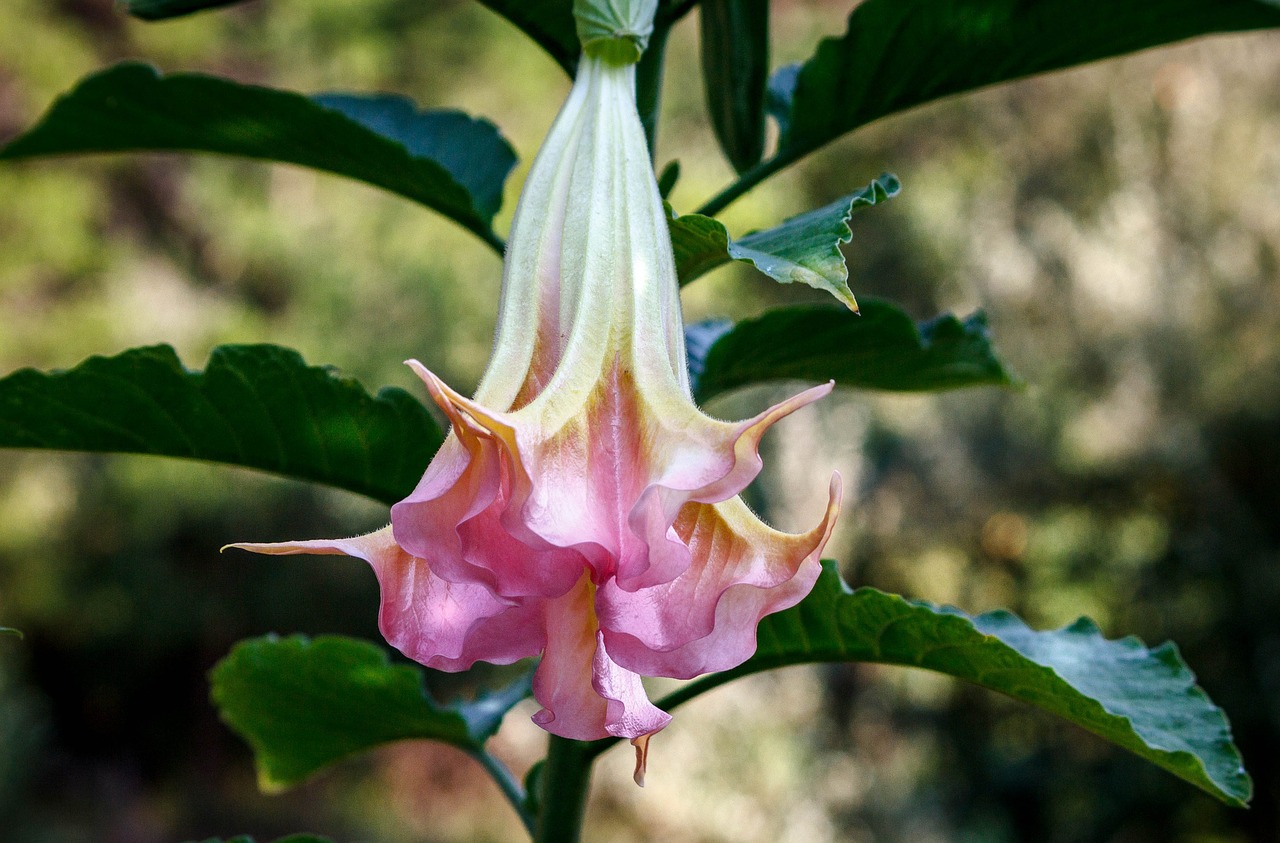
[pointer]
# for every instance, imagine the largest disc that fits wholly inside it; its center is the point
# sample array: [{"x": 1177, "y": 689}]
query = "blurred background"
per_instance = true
[{"x": 1120, "y": 224}]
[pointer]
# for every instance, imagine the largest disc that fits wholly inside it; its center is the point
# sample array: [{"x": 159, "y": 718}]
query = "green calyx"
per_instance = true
[{"x": 615, "y": 31}]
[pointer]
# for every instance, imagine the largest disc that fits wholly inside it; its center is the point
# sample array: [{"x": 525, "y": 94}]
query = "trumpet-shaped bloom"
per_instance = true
[{"x": 583, "y": 509}]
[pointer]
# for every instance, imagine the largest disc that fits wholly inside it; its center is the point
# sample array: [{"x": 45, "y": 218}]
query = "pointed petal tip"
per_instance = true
[
  {"x": 269, "y": 548},
  {"x": 460, "y": 409},
  {"x": 642, "y": 757},
  {"x": 434, "y": 384},
  {"x": 803, "y": 399},
  {"x": 362, "y": 547},
  {"x": 782, "y": 409},
  {"x": 835, "y": 497}
]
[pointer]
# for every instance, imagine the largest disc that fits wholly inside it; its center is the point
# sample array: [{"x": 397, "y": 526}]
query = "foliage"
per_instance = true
[
  {"x": 304, "y": 704},
  {"x": 442, "y": 159},
  {"x": 254, "y": 406},
  {"x": 1145, "y": 700},
  {"x": 877, "y": 348}
]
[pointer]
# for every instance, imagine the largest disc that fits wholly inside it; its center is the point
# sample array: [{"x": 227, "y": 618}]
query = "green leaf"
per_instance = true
[
  {"x": 898, "y": 54},
  {"x": 735, "y": 74},
  {"x": 162, "y": 9},
  {"x": 258, "y": 406},
  {"x": 879, "y": 349},
  {"x": 303, "y": 704},
  {"x": 1144, "y": 700},
  {"x": 4, "y": 630},
  {"x": 548, "y": 22},
  {"x": 804, "y": 248},
  {"x": 444, "y": 160}
]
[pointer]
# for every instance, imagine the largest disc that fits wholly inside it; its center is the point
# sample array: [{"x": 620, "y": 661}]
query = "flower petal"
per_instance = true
[
  {"x": 444, "y": 625},
  {"x": 457, "y": 513},
  {"x": 705, "y": 620},
  {"x": 707, "y": 461},
  {"x": 585, "y": 695}
]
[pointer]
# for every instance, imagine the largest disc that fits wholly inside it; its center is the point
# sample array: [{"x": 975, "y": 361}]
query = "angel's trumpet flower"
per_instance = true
[{"x": 583, "y": 509}]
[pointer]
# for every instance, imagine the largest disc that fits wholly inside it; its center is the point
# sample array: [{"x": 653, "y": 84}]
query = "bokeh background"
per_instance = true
[{"x": 1120, "y": 224}]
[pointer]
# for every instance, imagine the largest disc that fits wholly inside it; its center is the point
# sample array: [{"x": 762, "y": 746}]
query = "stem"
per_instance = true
[
  {"x": 564, "y": 785},
  {"x": 674, "y": 12},
  {"x": 507, "y": 784},
  {"x": 492, "y": 240},
  {"x": 649, "y": 73},
  {"x": 745, "y": 182}
]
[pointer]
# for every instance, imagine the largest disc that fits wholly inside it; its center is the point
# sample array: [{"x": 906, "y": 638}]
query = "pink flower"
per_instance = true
[{"x": 583, "y": 508}]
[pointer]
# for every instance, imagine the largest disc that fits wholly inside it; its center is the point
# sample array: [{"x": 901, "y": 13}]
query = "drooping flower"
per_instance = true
[{"x": 583, "y": 509}]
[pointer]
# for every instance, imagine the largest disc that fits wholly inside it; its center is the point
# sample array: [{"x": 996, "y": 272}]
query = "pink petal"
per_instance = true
[
  {"x": 705, "y": 620},
  {"x": 455, "y": 516},
  {"x": 444, "y": 625},
  {"x": 584, "y": 694},
  {"x": 524, "y": 508},
  {"x": 719, "y": 468}
]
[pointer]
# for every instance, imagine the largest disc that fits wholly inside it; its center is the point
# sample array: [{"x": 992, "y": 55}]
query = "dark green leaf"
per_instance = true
[
  {"x": 303, "y": 704},
  {"x": 548, "y": 22},
  {"x": 161, "y": 9},
  {"x": 879, "y": 349},
  {"x": 442, "y": 159},
  {"x": 258, "y": 406},
  {"x": 900, "y": 53},
  {"x": 735, "y": 73},
  {"x": 805, "y": 248},
  {"x": 4, "y": 630},
  {"x": 1144, "y": 700},
  {"x": 472, "y": 151}
]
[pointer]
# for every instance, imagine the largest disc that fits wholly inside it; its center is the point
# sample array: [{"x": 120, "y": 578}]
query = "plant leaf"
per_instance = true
[
  {"x": 258, "y": 406},
  {"x": 548, "y": 22},
  {"x": 303, "y": 704},
  {"x": 898, "y": 54},
  {"x": 804, "y": 248},
  {"x": 444, "y": 160},
  {"x": 735, "y": 74},
  {"x": 1144, "y": 700},
  {"x": 5, "y": 630},
  {"x": 879, "y": 349},
  {"x": 162, "y": 9}
]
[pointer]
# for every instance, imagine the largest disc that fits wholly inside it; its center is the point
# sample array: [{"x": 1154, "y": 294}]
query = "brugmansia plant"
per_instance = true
[{"x": 582, "y": 512}]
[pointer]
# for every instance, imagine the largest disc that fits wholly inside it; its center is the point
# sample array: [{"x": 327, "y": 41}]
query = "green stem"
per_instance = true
[
  {"x": 649, "y": 73},
  {"x": 745, "y": 182},
  {"x": 491, "y": 239},
  {"x": 564, "y": 784},
  {"x": 507, "y": 784}
]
